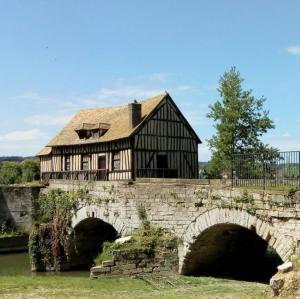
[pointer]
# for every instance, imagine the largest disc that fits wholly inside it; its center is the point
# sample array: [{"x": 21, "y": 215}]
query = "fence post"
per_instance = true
[
  {"x": 299, "y": 169},
  {"x": 264, "y": 172},
  {"x": 232, "y": 170}
]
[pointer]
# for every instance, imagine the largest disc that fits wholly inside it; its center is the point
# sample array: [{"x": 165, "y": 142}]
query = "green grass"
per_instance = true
[{"x": 127, "y": 288}]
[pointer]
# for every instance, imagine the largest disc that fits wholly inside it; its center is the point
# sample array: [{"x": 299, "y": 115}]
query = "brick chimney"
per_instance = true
[{"x": 135, "y": 114}]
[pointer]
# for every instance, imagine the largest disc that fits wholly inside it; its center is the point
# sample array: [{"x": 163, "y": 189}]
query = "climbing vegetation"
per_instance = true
[
  {"x": 246, "y": 197},
  {"x": 52, "y": 214}
]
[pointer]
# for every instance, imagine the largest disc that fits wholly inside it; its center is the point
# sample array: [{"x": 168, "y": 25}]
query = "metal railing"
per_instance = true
[
  {"x": 266, "y": 170},
  {"x": 83, "y": 175},
  {"x": 157, "y": 173}
]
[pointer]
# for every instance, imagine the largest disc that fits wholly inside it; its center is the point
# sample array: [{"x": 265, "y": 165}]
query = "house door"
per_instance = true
[
  {"x": 102, "y": 162},
  {"x": 162, "y": 161}
]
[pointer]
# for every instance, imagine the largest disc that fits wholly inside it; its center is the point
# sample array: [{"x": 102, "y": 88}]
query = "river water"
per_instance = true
[{"x": 19, "y": 264}]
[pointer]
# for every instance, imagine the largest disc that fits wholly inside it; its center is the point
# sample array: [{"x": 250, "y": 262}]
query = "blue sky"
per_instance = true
[{"x": 57, "y": 57}]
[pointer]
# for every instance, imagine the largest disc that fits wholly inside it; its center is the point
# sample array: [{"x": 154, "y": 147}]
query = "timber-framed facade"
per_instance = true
[{"x": 149, "y": 139}]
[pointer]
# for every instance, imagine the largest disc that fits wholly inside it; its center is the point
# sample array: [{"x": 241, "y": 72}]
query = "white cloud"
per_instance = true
[
  {"x": 126, "y": 92},
  {"x": 119, "y": 93},
  {"x": 4, "y": 124},
  {"x": 48, "y": 120},
  {"x": 283, "y": 142},
  {"x": 182, "y": 89},
  {"x": 160, "y": 77},
  {"x": 114, "y": 95},
  {"x": 286, "y": 134},
  {"x": 204, "y": 153},
  {"x": 21, "y": 148},
  {"x": 34, "y": 96},
  {"x": 52, "y": 110},
  {"x": 294, "y": 50},
  {"x": 28, "y": 135},
  {"x": 196, "y": 117}
]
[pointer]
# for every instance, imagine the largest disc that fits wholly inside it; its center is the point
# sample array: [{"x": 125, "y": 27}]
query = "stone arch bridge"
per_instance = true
[{"x": 216, "y": 223}]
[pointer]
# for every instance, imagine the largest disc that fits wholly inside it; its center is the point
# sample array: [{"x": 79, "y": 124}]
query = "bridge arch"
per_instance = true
[
  {"x": 91, "y": 227},
  {"x": 217, "y": 231},
  {"x": 95, "y": 211}
]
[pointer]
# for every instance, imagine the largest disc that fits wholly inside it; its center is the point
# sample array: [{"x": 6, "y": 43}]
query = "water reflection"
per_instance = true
[{"x": 19, "y": 264}]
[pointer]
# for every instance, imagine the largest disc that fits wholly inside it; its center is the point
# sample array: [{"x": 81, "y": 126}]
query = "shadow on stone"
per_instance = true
[
  {"x": 231, "y": 251},
  {"x": 86, "y": 242}
]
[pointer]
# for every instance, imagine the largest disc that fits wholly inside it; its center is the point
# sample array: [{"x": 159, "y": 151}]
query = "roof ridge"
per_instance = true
[{"x": 117, "y": 116}]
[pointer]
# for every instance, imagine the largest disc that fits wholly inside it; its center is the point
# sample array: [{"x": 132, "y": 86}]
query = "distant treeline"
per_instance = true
[
  {"x": 19, "y": 171},
  {"x": 14, "y": 158}
]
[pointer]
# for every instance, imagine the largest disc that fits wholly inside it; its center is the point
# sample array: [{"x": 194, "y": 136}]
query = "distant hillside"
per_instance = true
[
  {"x": 203, "y": 164},
  {"x": 13, "y": 158}
]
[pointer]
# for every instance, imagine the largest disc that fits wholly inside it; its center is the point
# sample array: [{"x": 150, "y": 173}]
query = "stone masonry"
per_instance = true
[
  {"x": 16, "y": 204},
  {"x": 138, "y": 262},
  {"x": 188, "y": 208}
]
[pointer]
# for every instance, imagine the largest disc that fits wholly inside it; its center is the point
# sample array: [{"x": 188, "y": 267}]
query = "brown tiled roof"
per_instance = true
[
  {"x": 45, "y": 151},
  {"x": 116, "y": 117}
]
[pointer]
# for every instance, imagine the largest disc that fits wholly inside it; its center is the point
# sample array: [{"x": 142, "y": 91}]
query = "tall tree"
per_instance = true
[{"x": 240, "y": 121}]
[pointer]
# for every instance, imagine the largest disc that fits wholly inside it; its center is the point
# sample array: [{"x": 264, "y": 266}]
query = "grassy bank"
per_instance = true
[{"x": 127, "y": 288}]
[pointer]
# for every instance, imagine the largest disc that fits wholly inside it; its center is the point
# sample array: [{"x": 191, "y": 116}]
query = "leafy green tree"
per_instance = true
[
  {"x": 30, "y": 170},
  {"x": 10, "y": 173},
  {"x": 240, "y": 121},
  {"x": 16, "y": 172}
]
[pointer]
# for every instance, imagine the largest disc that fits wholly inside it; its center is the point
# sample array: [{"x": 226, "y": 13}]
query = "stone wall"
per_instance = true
[
  {"x": 189, "y": 207},
  {"x": 138, "y": 262},
  {"x": 15, "y": 205}
]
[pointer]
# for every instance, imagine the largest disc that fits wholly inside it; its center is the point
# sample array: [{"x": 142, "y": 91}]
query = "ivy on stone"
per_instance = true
[{"x": 52, "y": 213}]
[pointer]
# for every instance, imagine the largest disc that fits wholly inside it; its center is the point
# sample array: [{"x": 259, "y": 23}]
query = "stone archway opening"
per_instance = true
[
  {"x": 231, "y": 251},
  {"x": 86, "y": 242}
]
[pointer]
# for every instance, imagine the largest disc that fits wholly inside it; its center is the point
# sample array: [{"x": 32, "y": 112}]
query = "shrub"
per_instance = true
[{"x": 52, "y": 214}]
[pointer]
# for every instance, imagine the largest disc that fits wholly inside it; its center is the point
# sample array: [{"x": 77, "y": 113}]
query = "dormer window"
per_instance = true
[
  {"x": 92, "y": 131},
  {"x": 96, "y": 134}
]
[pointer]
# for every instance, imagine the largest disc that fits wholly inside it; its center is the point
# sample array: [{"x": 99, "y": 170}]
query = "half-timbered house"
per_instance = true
[{"x": 149, "y": 139}]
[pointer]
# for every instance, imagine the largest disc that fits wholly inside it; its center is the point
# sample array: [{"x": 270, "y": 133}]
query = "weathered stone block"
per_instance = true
[
  {"x": 108, "y": 263},
  {"x": 285, "y": 267},
  {"x": 129, "y": 266},
  {"x": 99, "y": 270}
]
